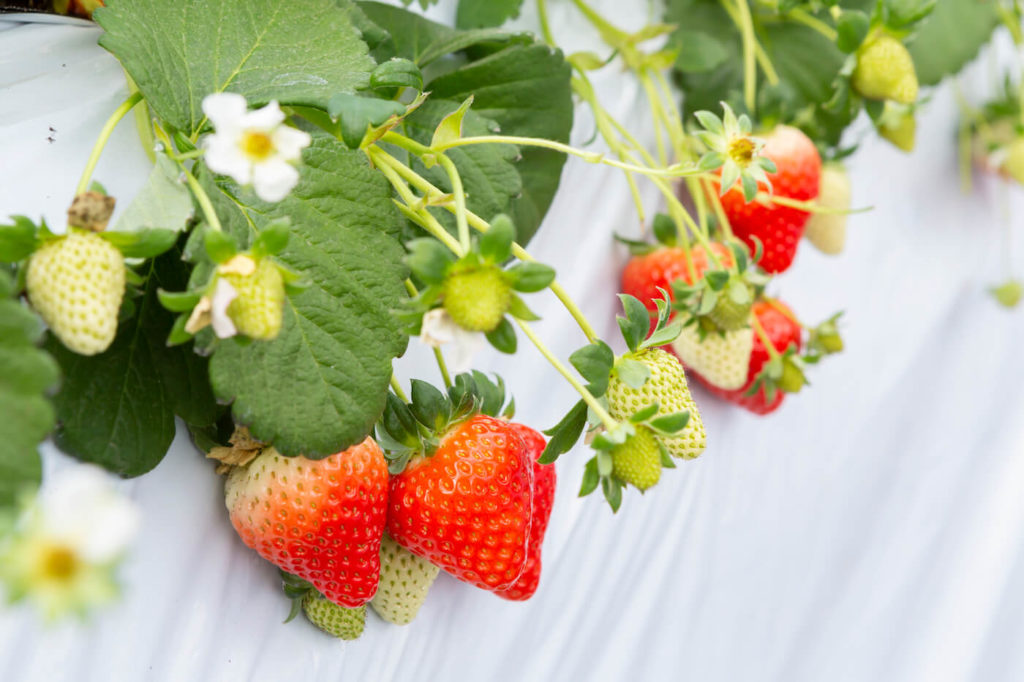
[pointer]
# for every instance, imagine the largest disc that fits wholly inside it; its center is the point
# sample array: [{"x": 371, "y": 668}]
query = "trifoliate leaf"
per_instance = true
[{"x": 177, "y": 53}]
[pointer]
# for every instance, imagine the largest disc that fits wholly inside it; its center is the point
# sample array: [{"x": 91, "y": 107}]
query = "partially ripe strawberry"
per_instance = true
[
  {"x": 318, "y": 519},
  {"x": 637, "y": 461},
  {"x": 827, "y": 231},
  {"x": 337, "y": 621},
  {"x": 259, "y": 308},
  {"x": 721, "y": 359},
  {"x": 467, "y": 506},
  {"x": 405, "y": 580},
  {"x": 477, "y": 298},
  {"x": 783, "y": 332},
  {"x": 667, "y": 387},
  {"x": 76, "y": 283},
  {"x": 777, "y": 227},
  {"x": 645, "y": 274},
  {"x": 544, "y": 482},
  {"x": 885, "y": 70}
]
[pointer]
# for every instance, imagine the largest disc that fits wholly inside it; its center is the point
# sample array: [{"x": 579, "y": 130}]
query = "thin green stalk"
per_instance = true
[
  {"x": 592, "y": 402},
  {"x": 545, "y": 26},
  {"x": 101, "y": 141},
  {"x": 442, "y": 367},
  {"x": 396, "y": 167},
  {"x": 813, "y": 22},
  {"x": 773, "y": 352},
  {"x": 460, "y": 200},
  {"x": 746, "y": 26},
  {"x": 197, "y": 190},
  {"x": 397, "y": 388}
]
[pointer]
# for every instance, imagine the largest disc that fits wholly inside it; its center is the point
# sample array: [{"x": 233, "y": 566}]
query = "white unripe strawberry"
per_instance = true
[{"x": 76, "y": 283}]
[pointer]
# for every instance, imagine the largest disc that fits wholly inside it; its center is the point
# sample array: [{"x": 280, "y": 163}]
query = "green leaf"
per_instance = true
[
  {"x": 530, "y": 277},
  {"x": 698, "y": 51},
  {"x": 356, "y": 114},
  {"x": 429, "y": 405},
  {"x": 164, "y": 201},
  {"x": 565, "y": 434},
  {"x": 633, "y": 373},
  {"x": 144, "y": 243},
  {"x": 594, "y": 362},
  {"x": 503, "y": 337},
  {"x": 26, "y": 376},
  {"x": 320, "y": 385},
  {"x": 525, "y": 90},
  {"x": 852, "y": 28},
  {"x": 486, "y": 13},
  {"x": 496, "y": 243},
  {"x": 177, "y": 53},
  {"x": 429, "y": 259},
  {"x": 397, "y": 73},
  {"x": 590, "y": 478},
  {"x": 116, "y": 409},
  {"x": 450, "y": 128},
  {"x": 951, "y": 36},
  {"x": 636, "y": 323},
  {"x": 17, "y": 240}
]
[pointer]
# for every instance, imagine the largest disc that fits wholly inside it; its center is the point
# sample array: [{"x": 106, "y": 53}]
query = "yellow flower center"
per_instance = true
[
  {"x": 257, "y": 144},
  {"x": 58, "y": 563},
  {"x": 741, "y": 150}
]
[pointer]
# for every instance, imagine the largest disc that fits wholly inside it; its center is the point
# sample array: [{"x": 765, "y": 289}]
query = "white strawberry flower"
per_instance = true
[
  {"x": 63, "y": 551},
  {"x": 439, "y": 329},
  {"x": 253, "y": 147}
]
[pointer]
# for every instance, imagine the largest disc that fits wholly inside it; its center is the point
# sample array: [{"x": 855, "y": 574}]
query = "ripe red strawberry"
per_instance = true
[
  {"x": 643, "y": 275},
  {"x": 544, "y": 480},
  {"x": 321, "y": 520},
  {"x": 783, "y": 333},
  {"x": 778, "y": 228},
  {"x": 467, "y": 506}
]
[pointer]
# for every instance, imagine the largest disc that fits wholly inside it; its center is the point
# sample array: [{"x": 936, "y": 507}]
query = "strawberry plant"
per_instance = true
[{"x": 334, "y": 180}]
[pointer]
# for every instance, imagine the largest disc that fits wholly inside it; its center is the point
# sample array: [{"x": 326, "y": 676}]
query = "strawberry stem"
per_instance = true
[
  {"x": 382, "y": 158},
  {"x": 197, "y": 190},
  {"x": 101, "y": 141},
  {"x": 545, "y": 26},
  {"x": 810, "y": 21},
  {"x": 460, "y": 200},
  {"x": 438, "y": 356},
  {"x": 773, "y": 352},
  {"x": 396, "y": 386},
  {"x": 592, "y": 402}
]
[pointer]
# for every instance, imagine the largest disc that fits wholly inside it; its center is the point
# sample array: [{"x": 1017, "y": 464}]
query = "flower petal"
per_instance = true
[
  {"x": 224, "y": 109},
  {"x": 289, "y": 142},
  {"x": 273, "y": 179},
  {"x": 265, "y": 119},
  {"x": 223, "y": 155},
  {"x": 223, "y": 295}
]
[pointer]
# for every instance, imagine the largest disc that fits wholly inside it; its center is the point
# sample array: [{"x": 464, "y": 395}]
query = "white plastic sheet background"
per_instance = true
[{"x": 872, "y": 529}]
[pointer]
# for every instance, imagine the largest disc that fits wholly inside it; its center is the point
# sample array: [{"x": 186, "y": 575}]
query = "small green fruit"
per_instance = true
[
  {"x": 792, "y": 379},
  {"x": 477, "y": 298},
  {"x": 259, "y": 308},
  {"x": 638, "y": 460},
  {"x": 337, "y": 621},
  {"x": 885, "y": 70},
  {"x": 1009, "y": 293},
  {"x": 1014, "y": 163}
]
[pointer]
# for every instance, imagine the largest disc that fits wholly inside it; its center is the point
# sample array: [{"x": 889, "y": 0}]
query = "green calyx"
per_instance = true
[
  {"x": 476, "y": 290},
  {"x": 416, "y": 427},
  {"x": 721, "y": 300},
  {"x": 783, "y": 372},
  {"x": 824, "y": 339}
]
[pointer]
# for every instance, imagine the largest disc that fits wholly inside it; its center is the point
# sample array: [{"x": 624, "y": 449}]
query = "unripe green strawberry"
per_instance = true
[
  {"x": 405, "y": 580},
  {"x": 76, "y": 283},
  {"x": 667, "y": 387},
  {"x": 901, "y": 131},
  {"x": 792, "y": 379},
  {"x": 827, "y": 231},
  {"x": 721, "y": 359},
  {"x": 259, "y": 307},
  {"x": 885, "y": 70},
  {"x": 477, "y": 298},
  {"x": 337, "y": 621},
  {"x": 638, "y": 460}
]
